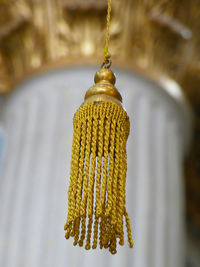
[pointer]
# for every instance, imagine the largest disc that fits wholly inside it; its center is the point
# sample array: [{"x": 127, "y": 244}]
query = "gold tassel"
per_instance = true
[{"x": 96, "y": 195}]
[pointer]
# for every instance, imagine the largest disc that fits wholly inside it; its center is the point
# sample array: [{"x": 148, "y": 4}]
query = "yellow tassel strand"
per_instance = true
[
  {"x": 96, "y": 195},
  {"x": 107, "y": 39}
]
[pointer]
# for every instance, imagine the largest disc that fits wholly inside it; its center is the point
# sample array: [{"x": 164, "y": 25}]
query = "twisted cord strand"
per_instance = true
[{"x": 107, "y": 55}]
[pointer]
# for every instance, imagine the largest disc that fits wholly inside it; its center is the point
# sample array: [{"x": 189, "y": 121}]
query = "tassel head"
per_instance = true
[
  {"x": 104, "y": 87},
  {"x": 96, "y": 195}
]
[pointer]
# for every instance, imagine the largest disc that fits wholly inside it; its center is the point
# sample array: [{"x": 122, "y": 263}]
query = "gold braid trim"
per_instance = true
[{"x": 98, "y": 168}]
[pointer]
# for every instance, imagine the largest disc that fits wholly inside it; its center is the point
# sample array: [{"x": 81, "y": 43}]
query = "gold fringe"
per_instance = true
[{"x": 98, "y": 167}]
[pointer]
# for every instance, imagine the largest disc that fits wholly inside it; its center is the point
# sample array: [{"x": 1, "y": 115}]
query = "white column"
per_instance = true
[
  {"x": 161, "y": 192},
  {"x": 36, "y": 121}
]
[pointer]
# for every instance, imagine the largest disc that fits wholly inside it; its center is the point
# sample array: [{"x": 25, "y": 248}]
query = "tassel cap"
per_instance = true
[{"x": 104, "y": 87}]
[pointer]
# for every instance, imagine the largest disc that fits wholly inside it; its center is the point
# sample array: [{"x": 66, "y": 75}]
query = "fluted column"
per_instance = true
[{"x": 36, "y": 135}]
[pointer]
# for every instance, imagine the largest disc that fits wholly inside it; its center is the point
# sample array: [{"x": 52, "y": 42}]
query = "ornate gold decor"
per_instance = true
[
  {"x": 85, "y": 5},
  {"x": 157, "y": 36}
]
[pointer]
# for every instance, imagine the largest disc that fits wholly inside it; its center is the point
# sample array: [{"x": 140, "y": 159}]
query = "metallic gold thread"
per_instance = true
[{"x": 98, "y": 161}]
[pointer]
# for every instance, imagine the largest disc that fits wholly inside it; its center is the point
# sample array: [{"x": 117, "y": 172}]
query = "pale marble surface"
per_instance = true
[{"x": 36, "y": 127}]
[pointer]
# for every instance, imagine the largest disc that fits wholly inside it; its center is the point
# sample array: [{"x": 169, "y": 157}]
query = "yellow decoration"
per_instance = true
[
  {"x": 96, "y": 196},
  {"x": 107, "y": 40}
]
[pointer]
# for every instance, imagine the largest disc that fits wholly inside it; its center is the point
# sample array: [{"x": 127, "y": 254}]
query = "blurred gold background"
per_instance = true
[{"x": 155, "y": 37}]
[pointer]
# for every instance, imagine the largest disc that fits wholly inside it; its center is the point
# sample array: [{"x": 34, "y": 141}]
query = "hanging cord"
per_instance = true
[{"x": 106, "y": 60}]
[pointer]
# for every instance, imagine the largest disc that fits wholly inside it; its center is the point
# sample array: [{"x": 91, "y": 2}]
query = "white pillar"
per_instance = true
[{"x": 36, "y": 124}]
